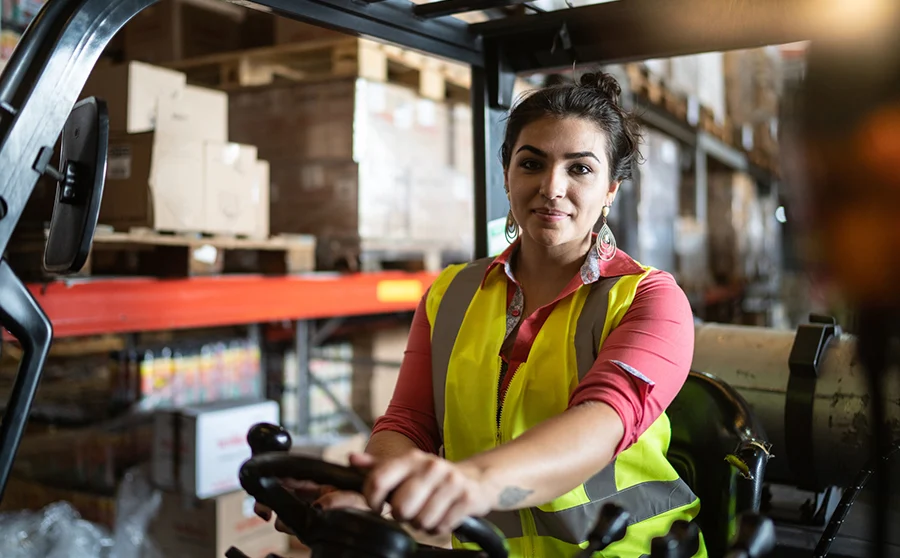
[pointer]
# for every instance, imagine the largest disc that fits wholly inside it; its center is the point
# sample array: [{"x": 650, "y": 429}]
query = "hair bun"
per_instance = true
[{"x": 603, "y": 83}]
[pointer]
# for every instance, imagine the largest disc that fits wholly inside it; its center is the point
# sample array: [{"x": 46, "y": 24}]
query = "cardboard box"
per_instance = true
[
  {"x": 659, "y": 184},
  {"x": 296, "y": 123},
  {"x": 208, "y": 528},
  {"x": 357, "y": 159},
  {"x": 462, "y": 150},
  {"x": 378, "y": 355},
  {"x": 314, "y": 198},
  {"x": 154, "y": 180},
  {"x": 132, "y": 92},
  {"x": 162, "y": 467},
  {"x": 165, "y": 182},
  {"x": 177, "y": 29},
  {"x": 753, "y": 84},
  {"x": 261, "y": 189},
  {"x": 737, "y": 227},
  {"x": 231, "y": 188},
  {"x": 195, "y": 113},
  {"x": 212, "y": 445}
]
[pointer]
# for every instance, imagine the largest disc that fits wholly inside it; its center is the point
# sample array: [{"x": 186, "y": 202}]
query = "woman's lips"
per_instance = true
[{"x": 550, "y": 215}]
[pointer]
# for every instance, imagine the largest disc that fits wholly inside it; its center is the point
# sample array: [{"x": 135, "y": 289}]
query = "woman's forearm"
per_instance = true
[
  {"x": 551, "y": 458},
  {"x": 387, "y": 443}
]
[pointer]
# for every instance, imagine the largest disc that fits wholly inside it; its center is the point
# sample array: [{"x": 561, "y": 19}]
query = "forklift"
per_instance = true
[{"x": 721, "y": 444}]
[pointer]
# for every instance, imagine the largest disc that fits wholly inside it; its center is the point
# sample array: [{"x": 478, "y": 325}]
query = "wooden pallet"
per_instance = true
[
  {"x": 654, "y": 90},
  {"x": 327, "y": 59},
  {"x": 765, "y": 160},
  {"x": 726, "y": 131},
  {"x": 153, "y": 253},
  {"x": 376, "y": 255}
]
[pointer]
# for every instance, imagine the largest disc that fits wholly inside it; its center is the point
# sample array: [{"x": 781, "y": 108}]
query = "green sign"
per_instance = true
[{"x": 497, "y": 242}]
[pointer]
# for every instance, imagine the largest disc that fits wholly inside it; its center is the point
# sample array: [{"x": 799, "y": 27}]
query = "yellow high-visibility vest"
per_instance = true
[{"x": 468, "y": 325}]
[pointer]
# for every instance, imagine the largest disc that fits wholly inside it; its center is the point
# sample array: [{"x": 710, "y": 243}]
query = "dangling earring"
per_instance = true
[
  {"x": 606, "y": 242},
  {"x": 512, "y": 228}
]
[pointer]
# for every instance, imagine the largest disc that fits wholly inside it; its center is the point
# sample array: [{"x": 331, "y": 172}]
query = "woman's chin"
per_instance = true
[{"x": 547, "y": 237}]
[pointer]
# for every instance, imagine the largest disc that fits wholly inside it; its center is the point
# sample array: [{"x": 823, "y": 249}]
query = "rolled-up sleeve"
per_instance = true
[
  {"x": 411, "y": 410},
  {"x": 644, "y": 361}
]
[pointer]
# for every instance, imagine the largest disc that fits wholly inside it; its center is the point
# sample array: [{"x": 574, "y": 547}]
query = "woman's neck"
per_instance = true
[{"x": 554, "y": 264}]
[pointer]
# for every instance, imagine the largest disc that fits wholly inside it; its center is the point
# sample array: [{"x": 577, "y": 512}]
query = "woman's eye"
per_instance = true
[
  {"x": 530, "y": 164},
  {"x": 580, "y": 169}
]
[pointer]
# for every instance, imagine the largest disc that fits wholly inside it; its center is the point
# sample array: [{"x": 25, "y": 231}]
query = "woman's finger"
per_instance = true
[
  {"x": 384, "y": 478},
  {"x": 458, "y": 510},
  {"x": 262, "y": 511},
  {"x": 436, "y": 507},
  {"x": 280, "y": 526},
  {"x": 297, "y": 484},
  {"x": 303, "y": 489},
  {"x": 417, "y": 489},
  {"x": 342, "y": 499}
]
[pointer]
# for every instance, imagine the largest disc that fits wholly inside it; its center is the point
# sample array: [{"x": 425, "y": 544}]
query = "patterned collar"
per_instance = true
[{"x": 592, "y": 269}]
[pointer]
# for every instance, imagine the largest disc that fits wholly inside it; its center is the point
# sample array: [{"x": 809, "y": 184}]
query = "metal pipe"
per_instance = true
[{"x": 755, "y": 361}]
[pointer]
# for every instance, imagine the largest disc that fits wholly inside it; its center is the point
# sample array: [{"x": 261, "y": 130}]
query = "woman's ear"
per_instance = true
[
  {"x": 506, "y": 181},
  {"x": 611, "y": 193}
]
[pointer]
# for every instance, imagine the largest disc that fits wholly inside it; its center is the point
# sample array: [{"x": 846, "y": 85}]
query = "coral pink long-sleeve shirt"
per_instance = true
[{"x": 638, "y": 371}]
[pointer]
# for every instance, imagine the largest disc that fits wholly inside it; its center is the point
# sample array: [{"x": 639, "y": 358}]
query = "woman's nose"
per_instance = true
[{"x": 554, "y": 185}]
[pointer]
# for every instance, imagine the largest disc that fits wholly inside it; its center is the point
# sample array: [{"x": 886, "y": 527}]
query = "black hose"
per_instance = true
[{"x": 847, "y": 500}]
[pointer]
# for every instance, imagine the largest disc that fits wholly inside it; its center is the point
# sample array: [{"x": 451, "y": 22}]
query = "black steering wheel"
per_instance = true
[{"x": 341, "y": 532}]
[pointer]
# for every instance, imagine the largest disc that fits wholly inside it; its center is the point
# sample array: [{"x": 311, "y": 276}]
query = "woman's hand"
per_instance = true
[
  {"x": 431, "y": 494},
  {"x": 319, "y": 496}
]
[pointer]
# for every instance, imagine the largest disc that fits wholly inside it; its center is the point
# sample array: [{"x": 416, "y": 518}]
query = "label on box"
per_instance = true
[{"x": 118, "y": 162}]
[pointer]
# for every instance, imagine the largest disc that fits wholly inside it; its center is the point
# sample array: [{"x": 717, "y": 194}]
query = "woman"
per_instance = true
[{"x": 534, "y": 385}]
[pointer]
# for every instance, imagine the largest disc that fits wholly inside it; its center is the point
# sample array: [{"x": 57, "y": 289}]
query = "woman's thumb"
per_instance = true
[{"x": 362, "y": 460}]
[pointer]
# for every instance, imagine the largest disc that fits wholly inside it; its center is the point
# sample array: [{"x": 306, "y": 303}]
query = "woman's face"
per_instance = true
[{"x": 558, "y": 180}]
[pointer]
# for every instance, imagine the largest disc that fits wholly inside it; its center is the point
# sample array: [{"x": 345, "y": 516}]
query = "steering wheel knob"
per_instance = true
[
  {"x": 610, "y": 527},
  {"x": 268, "y": 438},
  {"x": 682, "y": 541}
]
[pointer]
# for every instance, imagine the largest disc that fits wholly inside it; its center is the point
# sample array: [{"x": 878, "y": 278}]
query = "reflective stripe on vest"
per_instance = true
[
  {"x": 446, "y": 326},
  {"x": 644, "y": 500}
]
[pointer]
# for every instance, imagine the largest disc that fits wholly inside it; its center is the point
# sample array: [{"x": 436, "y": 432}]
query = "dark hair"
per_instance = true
[{"x": 594, "y": 97}]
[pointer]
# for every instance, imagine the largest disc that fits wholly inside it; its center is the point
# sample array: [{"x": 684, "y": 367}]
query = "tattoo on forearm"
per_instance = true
[{"x": 512, "y": 495}]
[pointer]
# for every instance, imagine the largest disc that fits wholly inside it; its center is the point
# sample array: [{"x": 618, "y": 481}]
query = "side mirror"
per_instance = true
[{"x": 80, "y": 180}]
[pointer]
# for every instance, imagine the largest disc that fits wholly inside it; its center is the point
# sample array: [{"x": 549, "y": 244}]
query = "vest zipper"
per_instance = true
[
  {"x": 502, "y": 367},
  {"x": 501, "y": 398},
  {"x": 529, "y": 530}
]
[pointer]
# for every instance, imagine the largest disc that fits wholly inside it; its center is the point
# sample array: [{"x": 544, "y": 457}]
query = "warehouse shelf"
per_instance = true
[{"x": 102, "y": 306}]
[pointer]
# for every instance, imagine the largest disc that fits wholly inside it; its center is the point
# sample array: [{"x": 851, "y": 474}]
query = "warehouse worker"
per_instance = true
[{"x": 534, "y": 385}]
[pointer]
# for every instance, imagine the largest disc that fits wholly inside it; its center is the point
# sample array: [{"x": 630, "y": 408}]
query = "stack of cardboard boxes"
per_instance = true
[
  {"x": 358, "y": 162},
  {"x": 197, "y": 455},
  {"x": 171, "y": 165}
]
